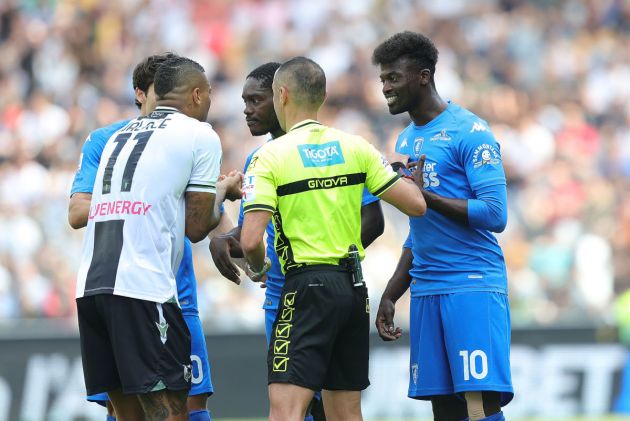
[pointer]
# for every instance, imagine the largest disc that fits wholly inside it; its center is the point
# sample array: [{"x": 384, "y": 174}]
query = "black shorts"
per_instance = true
[
  {"x": 320, "y": 338},
  {"x": 134, "y": 345}
]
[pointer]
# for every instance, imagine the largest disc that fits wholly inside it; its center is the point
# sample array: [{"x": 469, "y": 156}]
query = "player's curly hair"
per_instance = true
[
  {"x": 407, "y": 44},
  {"x": 175, "y": 72},
  {"x": 144, "y": 72},
  {"x": 264, "y": 73}
]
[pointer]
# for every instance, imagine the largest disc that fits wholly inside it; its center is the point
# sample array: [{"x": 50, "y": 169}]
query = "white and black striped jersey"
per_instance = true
[{"x": 135, "y": 233}]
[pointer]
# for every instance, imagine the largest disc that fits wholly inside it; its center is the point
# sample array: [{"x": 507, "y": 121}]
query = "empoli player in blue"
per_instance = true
[
  {"x": 78, "y": 211},
  {"x": 261, "y": 119},
  {"x": 460, "y": 320}
]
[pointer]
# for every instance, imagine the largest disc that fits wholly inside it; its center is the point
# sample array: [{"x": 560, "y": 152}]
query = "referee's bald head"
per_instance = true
[{"x": 305, "y": 81}]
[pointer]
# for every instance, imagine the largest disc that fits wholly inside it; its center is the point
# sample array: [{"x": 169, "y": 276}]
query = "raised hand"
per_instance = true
[
  {"x": 417, "y": 173},
  {"x": 232, "y": 184}
]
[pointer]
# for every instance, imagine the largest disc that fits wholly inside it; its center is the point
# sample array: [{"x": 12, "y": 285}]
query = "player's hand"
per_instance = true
[
  {"x": 220, "y": 250},
  {"x": 417, "y": 172},
  {"x": 232, "y": 184},
  {"x": 385, "y": 321}
]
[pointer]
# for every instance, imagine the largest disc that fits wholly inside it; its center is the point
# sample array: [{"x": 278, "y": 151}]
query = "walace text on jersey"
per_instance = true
[{"x": 148, "y": 123}]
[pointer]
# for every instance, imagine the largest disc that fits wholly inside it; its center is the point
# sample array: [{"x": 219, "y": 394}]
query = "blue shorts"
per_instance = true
[
  {"x": 201, "y": 379},
  {"x": 460, "y": 342}
]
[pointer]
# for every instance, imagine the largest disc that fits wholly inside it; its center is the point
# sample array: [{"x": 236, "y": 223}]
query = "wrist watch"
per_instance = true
[{"x": 266, "y": 266}]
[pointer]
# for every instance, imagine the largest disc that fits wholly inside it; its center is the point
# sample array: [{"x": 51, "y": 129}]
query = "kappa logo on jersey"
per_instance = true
[
  {"x": 249, "y": 188},
  {"x": 417, "y": 145},
  {"x": 323, "y": 155},
  {"x": 441, "y": 136},
  {"x": 485, "y": 154},
  {"x": 404, "y": 143},
  {"x": 478, "y": 126}
]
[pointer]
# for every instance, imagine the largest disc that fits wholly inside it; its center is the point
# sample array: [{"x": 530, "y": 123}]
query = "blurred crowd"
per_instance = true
[{"x": 551, "y": 77}]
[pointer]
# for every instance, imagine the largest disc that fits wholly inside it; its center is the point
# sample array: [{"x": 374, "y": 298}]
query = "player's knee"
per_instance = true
[
  {"x": 448, "y": 408},
  {"x": 482, "y": 405},
  {"x": 197, "y": 402}
]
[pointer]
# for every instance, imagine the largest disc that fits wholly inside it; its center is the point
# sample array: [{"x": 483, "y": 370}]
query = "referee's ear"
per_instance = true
[{"x": 283, "y": 94}]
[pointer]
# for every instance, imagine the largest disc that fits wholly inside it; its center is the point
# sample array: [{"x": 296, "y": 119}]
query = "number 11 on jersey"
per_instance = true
[{"x": 142, "y": 139}]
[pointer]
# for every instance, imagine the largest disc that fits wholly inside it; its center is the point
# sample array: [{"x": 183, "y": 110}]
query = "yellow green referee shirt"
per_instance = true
[{"x": 312, "y": 180}]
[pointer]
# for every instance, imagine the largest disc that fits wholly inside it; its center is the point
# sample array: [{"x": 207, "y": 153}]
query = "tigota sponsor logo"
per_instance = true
[{"x": 323, "y": 155}]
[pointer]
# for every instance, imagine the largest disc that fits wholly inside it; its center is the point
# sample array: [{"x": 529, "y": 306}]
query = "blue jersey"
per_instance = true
[
  {"x": 275, "y": 278},
  {"x": 84, "y": 183},
  {"x": 462, "y": 159},
  {"x": 91, "y": 156}
]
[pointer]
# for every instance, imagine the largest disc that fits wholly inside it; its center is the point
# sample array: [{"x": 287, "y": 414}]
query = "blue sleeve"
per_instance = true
[
  {"x": 489, "y": 210},
  {"x": 222, "y": 209},
  {"x": 368, "y": 198},
  {"x": 480, "y": 155},
  {"x": 408, "y": 242},
  {"x": 240, "y": 211},
  {"x": 88, "y": 164}
]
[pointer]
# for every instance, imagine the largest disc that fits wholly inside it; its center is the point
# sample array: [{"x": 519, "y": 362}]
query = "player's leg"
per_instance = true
[
  {"x": 316, "y": 408},
  {"x": 347, "y": 373},
  {"x": 477, "y": 335},
  {"x": 164, "y": 405},
  {"x": 484, "y": 406},
  {"x": 111, "y": 413},
  {"x": 449, "y": 408},
  {"x": 127, "y": 407},
  {"x": 99, "y": 364},
  {"x": 201, "y": 382},
  {"x": 103, "y": 400},
  {"x": 152, "y": 349},
  {"x": 197, "y": 408},
  {"x": 342, "y": 405},
  {"x": 288, "y": 402}
]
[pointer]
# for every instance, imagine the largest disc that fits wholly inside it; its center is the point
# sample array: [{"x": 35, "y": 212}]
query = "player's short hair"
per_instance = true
[
  {"x": 411, "y": 45},
  {"x": 174, "y": 72},
  {"x": 307, "y": 78},
  {"x": 264, "y": 74},
  {"x": 144, "y": 72}
]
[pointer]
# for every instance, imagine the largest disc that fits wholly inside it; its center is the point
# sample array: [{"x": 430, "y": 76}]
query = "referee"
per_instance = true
[{"x": 311, "y": 181}]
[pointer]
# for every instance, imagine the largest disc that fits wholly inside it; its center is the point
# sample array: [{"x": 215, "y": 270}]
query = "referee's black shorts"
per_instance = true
[
  {"x": 134, "y": 345},
  {"x": 320, "y": 338}
]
